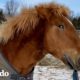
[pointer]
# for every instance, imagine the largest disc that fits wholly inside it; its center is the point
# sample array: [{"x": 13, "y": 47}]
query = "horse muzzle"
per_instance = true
[{"x": 72, "y": 63}]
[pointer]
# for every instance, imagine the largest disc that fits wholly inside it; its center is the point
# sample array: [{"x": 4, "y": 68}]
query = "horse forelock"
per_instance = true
[
  {"x": 47, "y": 9},
  {"x": 29, "y": 19}
]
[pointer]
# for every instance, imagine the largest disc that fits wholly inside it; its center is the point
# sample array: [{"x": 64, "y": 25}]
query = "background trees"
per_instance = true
[
  {"x": 11, "y": 7},
  {"x": 2, "y": 17},
  {"x": 76, "y": 21}
]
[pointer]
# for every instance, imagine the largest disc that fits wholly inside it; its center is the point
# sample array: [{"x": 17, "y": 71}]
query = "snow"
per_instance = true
[{"x": 52, "y": 73}]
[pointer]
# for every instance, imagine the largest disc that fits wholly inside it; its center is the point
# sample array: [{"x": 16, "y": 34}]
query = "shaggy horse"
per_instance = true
[{"x": 28, "y": 37}]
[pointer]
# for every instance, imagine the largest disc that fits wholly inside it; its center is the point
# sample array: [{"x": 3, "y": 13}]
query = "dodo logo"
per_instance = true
[{"x": 4, "y": 73}]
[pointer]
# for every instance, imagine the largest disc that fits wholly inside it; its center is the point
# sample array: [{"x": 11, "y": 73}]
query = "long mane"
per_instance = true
[{"x": 29, "y": 19}]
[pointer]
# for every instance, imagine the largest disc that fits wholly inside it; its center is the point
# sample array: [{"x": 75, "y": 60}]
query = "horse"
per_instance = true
[{"x": 27, "y": 37}]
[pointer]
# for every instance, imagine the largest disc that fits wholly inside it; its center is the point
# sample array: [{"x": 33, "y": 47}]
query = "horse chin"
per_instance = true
[{"x": 71, "y": 64}]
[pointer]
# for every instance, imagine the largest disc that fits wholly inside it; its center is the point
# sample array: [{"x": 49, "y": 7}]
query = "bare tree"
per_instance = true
[{"x": 11, "y": 7}]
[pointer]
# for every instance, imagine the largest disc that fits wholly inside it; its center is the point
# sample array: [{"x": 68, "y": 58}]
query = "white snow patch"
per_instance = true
[{"x": 52, "y": 73}]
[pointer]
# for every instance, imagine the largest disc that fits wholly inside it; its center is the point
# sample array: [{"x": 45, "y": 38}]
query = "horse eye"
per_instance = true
[{"x": 61, "y": 26}]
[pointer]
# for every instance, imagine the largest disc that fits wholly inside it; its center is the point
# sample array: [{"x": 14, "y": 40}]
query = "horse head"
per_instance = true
[
  {"x": 61, "y": 37},
  {"x": 37, "y": 31}
]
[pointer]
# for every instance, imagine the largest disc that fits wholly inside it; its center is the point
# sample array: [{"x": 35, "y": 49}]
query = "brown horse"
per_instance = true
[{"x": 28, "y": 37}]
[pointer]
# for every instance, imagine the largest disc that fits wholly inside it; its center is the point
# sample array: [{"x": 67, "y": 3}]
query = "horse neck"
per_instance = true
[{"x": 18, "y": 52}]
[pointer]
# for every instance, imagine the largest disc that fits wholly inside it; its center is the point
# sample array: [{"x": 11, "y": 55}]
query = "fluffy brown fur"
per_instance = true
[
  {"x": 29, "y": 19},
  {"x": 28, "y": 36}
]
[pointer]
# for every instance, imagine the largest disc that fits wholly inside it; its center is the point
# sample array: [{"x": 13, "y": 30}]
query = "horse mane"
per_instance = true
[{"x": 29, "y": 19}]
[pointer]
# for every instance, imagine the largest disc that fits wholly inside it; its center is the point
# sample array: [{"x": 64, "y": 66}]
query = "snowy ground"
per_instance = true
[
  {"x": 51, "y": 73},
  {"x": 51, "y": 68}
]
